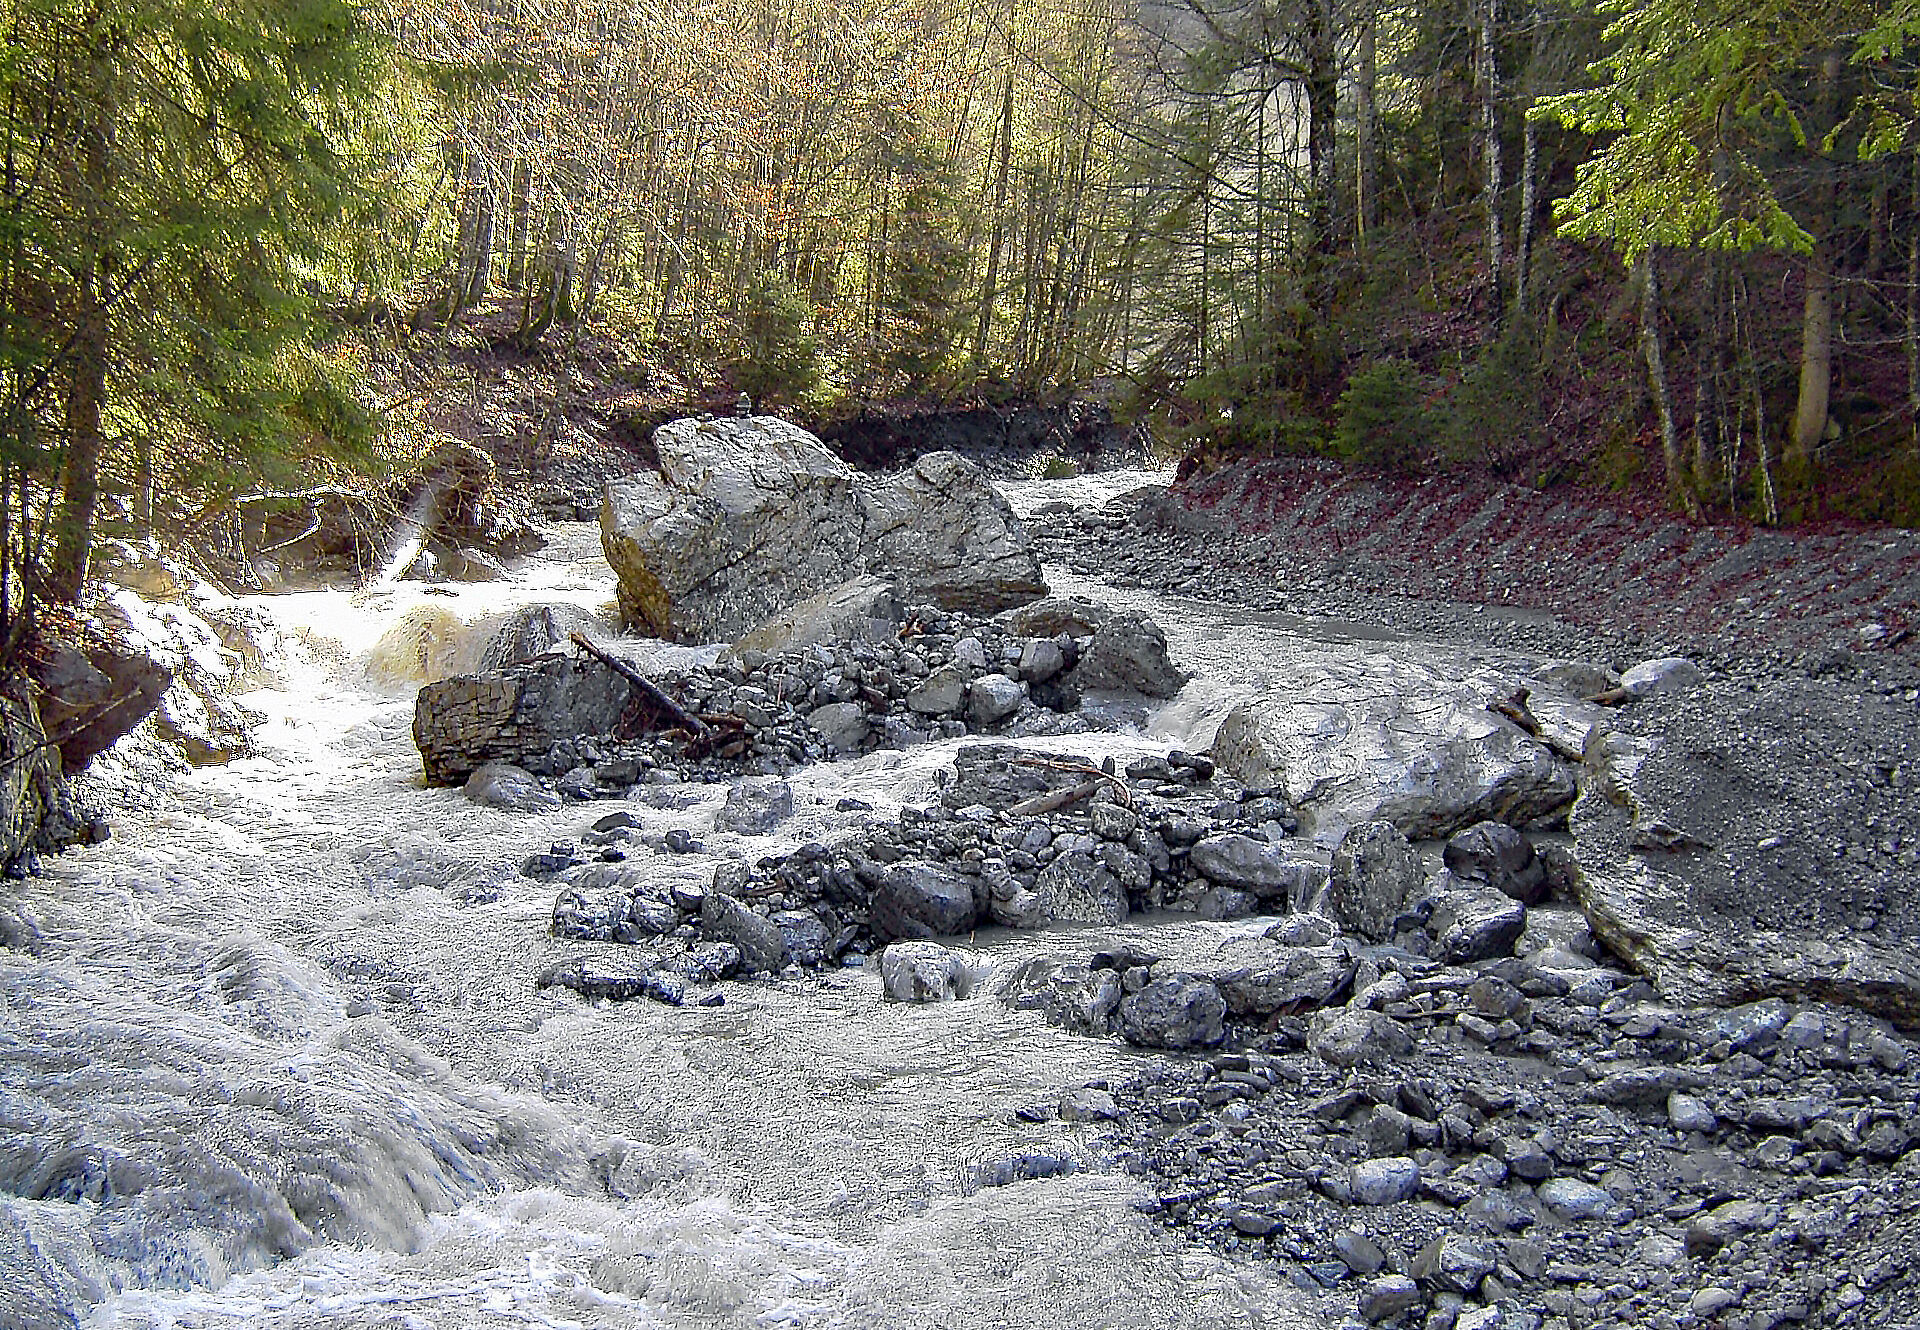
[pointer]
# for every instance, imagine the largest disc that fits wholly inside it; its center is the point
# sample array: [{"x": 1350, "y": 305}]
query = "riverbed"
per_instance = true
[{"x": 279, "y": 1059}]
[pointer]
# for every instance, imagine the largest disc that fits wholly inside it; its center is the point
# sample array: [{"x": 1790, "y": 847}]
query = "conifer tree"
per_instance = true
[{"x": 172, "y": 172}]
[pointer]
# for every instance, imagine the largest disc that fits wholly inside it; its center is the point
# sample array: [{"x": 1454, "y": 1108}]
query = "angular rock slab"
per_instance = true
[
  {"x": 951, "y": 536},
  {"x": 1259, "y": 976},
  {"x": 866, "y": 609},
  {"x": 514, "y": 714},
  {"x": 746, "y": 517},
  {"x": 1375, "y": 738},
  {"x": 1666, "y": 881},
  {"x": 749, "y": 517}
]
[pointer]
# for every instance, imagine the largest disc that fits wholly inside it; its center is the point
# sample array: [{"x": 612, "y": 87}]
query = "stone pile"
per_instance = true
[
  {"x": 580, "y": 725},
  {"x": 1487, "y": 1146}
]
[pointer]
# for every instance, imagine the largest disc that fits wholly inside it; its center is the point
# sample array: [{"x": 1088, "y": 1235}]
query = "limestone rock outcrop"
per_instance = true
[
  {"x": 1680, "y": 873},
  {"x": 463, "y": 723},
  {"x": 747, "y": 517}
]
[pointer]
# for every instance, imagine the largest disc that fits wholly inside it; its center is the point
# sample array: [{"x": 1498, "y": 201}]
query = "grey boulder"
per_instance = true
[
  {"x": 1474, "y": 922},
  {"x": 514, "y": 714},
  {"x": 503, "y": 785},
  {"x": 943, "y": 528},
  {"x": 725, "y": 919},
  {"x": 1270, "y": 872},
  {"x": 1347, "y": 1037},
  {"x": 1496, "y": 854},
  {"x": 755, "y": 806},
  {"x": 1175, "y": 1012},
  {"x": 844, "y": 725},
  {"x": 747, "y": 517},
  {"x": 1376, "y": 873},
  {"x": 925, "y": 972},
  {"x": 533, "y": 630},
  {"x": 865, "y": 609},
  {"x": 1375, "y": 737},
  {"x": 1384, "y": 1181},
  {"x": 1259, "y": 976},
  {"x": 744, "y": 518},
  {"x": 918, "y": 900},
  {"x": 1668, "y": 676},
  {"x": 992, "y": 698},
  {"x": 1128, "y": 654},
  {"x": 942, "y": 693},
  {"x": 1083, "y": 890},
  {"x": 1070, "y": 994}
]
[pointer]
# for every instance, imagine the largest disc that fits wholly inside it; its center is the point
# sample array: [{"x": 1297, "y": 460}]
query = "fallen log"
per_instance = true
[{"x": 655, "y": 694}]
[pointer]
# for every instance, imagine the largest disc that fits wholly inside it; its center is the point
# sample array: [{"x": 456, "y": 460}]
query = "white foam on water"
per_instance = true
[
  {"x": 1086, "y": 492},
  {"x": 268, "y": 1068}
]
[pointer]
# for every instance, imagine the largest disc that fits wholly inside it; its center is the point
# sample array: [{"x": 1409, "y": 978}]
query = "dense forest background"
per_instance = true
[{"x": 1670, "y": 245}]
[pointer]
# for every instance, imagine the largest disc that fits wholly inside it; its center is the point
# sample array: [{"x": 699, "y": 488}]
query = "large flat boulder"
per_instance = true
[
  {"x": 1707, "y": 857},
  {"x": 866, "y": 609},
  {"x": 746, "y": 518},
  {"x": 1373, "y": 737}
]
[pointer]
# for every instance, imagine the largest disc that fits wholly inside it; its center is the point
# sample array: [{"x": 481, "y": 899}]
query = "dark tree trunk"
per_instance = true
[
  {"x": 1366, "y": 127},
  {"x": 989, "y": 287},
  {"x": 1913, "y": 304},
  {"x": 1323, "y": 105},
  {"x": 1816, "y": 322},
  {"x": 80, "y": 471},
  {"x": 1490, "y": 149}
]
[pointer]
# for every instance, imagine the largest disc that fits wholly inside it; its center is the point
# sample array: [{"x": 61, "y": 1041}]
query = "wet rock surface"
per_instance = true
[
  {"x": 747, "y": 517},
  {"x": 576, "y": 720}
]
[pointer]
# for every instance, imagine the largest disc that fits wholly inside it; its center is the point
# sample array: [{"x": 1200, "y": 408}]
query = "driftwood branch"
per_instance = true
[
  {"x": 1056, "y": 799},
  {"x": 1514, "y": 707},
  {"x": 1094, "y": 775},
  {"x": 678, "y": 714}
]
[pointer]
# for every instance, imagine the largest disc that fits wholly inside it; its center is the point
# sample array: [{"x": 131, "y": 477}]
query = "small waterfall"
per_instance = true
[{"x": 410, "y": 533}]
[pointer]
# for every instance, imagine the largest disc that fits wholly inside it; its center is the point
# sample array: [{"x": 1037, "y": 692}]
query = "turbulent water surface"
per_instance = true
[{"x": 278, "y": 1058}]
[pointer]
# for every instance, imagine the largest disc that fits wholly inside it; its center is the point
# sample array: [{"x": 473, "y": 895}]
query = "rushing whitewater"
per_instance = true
[{"x": 276, "y": 1057}]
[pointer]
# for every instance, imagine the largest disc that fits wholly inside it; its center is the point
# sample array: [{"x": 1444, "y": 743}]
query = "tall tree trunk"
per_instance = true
[
  {"x": 1651, "y": 349},
  {"x": 1913, "y": 304},
  {"x": 1529, "y": 176},
  {"x": 1743, "y": 330},
  {"x": 1816, "y": 321},
  {"x": 1529, "y": 204},
  {"x": 1490, "y": 147},
  {"x": 517, "y": 229},
  {"x": 1323, "y": 105},
  {"x": 92, "y": 192},
  {"x": 1816, "y": 359},
  {"x": 1706, "y": 379},
  {"x": 989, "y": 288},
  {"x": 80, "y": 471},
  {"x": 480, "y": 263},
  {"x": 1366, "y": 127}
]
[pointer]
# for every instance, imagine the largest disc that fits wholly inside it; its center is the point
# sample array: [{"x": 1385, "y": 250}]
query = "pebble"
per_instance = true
[{"x": 1384, "y": 1181}]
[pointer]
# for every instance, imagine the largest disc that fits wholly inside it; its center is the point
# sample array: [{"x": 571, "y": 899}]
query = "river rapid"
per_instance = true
[{"x": 275, "y": 1055}]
